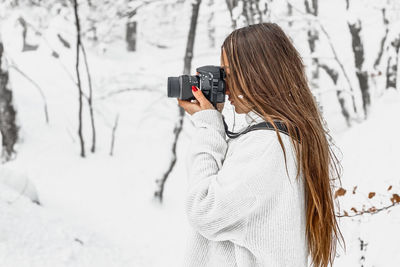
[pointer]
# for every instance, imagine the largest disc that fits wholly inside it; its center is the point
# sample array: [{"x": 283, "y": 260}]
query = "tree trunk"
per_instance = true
[
  {"x": 258, "y": 15},
  {"x": 334, "y": 75},
  {"x": 131, "y": 35},
  {"x": 362, "y": 75},
  {"x": 312, "y": 39},
  {"x": 392, "y": 65},
  {"x": 251, "y": 12},
  {"x": 380, "y": 53},
  {"x": 78, "y": 45},
  {"x": 190, "y": 41},
  {"x": 8, "y": 128},
  {"x": 90, "y": 99},
  {"x": 231, "y": 4},
  {"x": 311, "y": 7},
  {"x": 186, "y": 70},
  {"x": 25, "y": 45},
  {"x": 210, "y": 24},
  {"x": 290, "y": 13}
]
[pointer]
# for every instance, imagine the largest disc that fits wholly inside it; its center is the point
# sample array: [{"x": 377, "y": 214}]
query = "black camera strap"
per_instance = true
[{"x": 259, "y": 126}]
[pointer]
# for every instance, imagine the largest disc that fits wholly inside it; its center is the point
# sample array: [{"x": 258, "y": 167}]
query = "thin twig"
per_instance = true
[
  {"x": 23, "y": 74},
  {"x": 126, "y": 90},
  {"x": 114, "y": 129},
  {"x": 370, "y": 211}
]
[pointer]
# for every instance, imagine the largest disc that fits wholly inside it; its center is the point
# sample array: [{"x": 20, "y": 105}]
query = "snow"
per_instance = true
[
  {"x": 106, "y": 202},
  {"x": 33, "y": 236},
  {"x": 19, "y": 182}
]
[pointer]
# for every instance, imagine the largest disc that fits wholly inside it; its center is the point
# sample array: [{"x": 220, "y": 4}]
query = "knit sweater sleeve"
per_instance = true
[{"x": 219, "y": 199}]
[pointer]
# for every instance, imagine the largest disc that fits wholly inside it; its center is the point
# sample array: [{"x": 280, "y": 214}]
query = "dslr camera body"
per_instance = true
[{"x": 210, "y": 81}]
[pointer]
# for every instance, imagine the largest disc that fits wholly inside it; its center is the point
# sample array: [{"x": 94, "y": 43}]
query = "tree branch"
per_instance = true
[
  {"x": 126, "y": 90},
  {"x": 23, "y": 74},
  {"x": 371, "y": 210}
]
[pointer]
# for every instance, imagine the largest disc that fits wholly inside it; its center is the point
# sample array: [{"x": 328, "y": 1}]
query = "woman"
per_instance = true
[{"x": 249, "y": 201}]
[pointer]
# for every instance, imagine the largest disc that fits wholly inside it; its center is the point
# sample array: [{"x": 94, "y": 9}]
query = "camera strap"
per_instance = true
[{"x": 259, "y": 126}]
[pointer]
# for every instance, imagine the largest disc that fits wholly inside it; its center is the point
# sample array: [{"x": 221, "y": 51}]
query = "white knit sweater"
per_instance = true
[{"x": 243, "y": 208}]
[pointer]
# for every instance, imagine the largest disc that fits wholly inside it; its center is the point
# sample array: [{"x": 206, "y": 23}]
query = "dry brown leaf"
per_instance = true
[
  {"x": 390, "y": 187},
  {"x": 340, "y": 192},
  {"x": 345, "y": 213},
  {"x": 354, "y": 209},
  {"x": 371, "y": 194},
  {"x": 354, "y": 189},
  {"x": 395, "y": 198},
  {"x": 372, "y": 209}
]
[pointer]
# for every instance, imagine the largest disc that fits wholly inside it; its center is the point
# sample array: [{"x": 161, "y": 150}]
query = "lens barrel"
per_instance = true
[{"x": 173, "y": 87}]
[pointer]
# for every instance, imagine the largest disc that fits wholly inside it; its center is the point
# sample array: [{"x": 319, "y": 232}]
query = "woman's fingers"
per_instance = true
[
  {"x": 200, "y": 103},
  {"x": 188, "y": 106},
  {"x": 203, "y": 101}
]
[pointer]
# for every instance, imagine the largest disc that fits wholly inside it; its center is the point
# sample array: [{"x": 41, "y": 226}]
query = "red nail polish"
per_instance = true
[{"x": 194, "y": 89}]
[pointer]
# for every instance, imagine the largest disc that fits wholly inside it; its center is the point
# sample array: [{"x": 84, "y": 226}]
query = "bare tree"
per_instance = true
[
  {"x": 393, "y": 64},
  {"x": 377, "y": 63},
  {"x": 210, "y": 24},
  {"x": 231, "y": 4},
  {"x": 78, "y": 46},
  {"x": 92, "y": 22},
  {"x": 361, "y": 73},
  {"x": 186, "y": 70},
  {"x": 81, "y": 48},
  {"x": 289, "y": 13},
  {"x": 312, "y": 39},
  {"x": 131, "y": 30},
  {"x": 334, "y": 75},
  {"x": 90, "y": 99},
  {"x": 191, "y": 36},
  {"x": 8, "y": 128},
  {"x": 339, "y": 62},
  {"x": 251, "y": 12},
  {"x": 132, "y": 22},
  {"x": 313, "y": 36},
  {"x": 383, "y": 41},
  {"x": 334, "y": 53},
  {"x": 358, "y": 50}
]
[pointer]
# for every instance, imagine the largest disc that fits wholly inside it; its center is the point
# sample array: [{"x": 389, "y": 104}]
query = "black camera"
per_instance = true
[{"x": 210, "y": 80}]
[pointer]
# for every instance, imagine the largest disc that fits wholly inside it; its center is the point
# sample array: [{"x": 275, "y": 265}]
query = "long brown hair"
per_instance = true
[{"x": 268, "y": 71}]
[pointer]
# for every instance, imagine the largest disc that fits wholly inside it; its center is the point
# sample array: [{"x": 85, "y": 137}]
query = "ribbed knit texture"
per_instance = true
[{"x": 243, "y": 208}]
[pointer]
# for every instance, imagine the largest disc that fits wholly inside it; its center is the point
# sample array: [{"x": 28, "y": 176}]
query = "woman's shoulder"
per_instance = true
[
  {"x": 260, "y": 139},
  {"x": 262, "y": 147},
  {"x": 262, "y": 159}
]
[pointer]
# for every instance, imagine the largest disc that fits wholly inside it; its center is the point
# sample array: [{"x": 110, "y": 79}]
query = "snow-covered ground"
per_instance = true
[
  {"x": 100, "y": 210},
  {"x": 34, "y": 236}
]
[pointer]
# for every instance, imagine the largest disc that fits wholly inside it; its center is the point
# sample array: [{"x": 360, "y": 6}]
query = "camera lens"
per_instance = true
[{"x": 173, "y": 87}]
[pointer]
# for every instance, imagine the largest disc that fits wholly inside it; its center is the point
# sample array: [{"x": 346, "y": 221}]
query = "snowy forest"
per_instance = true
[{"x": 93, "y": 150}]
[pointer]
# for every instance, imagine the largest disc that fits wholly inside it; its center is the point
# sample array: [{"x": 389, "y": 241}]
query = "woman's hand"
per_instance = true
[{"x": 201, "y": 102}]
